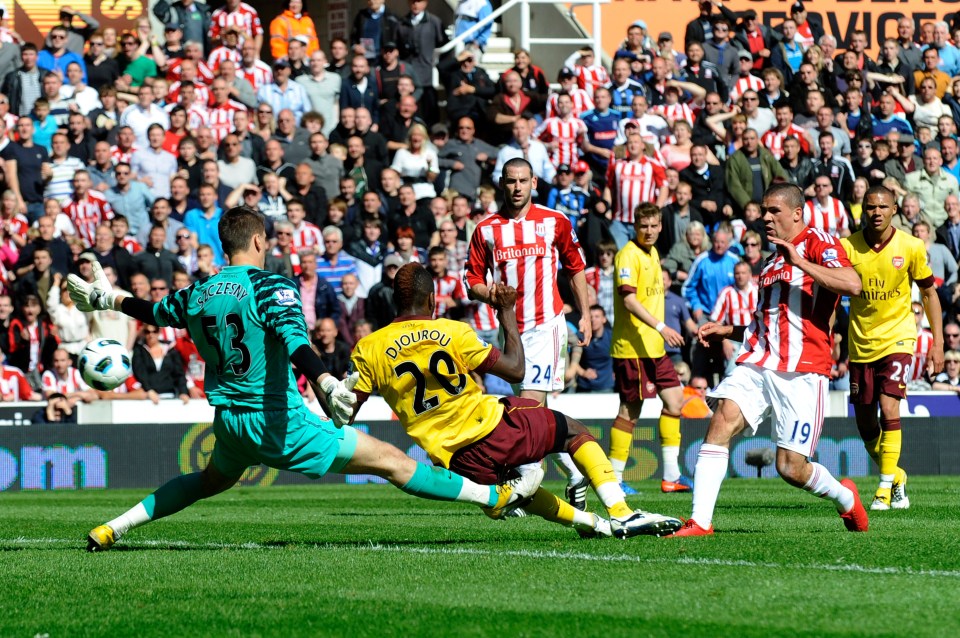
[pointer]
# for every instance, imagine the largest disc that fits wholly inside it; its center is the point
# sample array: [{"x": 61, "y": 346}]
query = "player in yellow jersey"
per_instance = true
[
  {"x": 421, "y": 367},
  {"x": 883, "y": 333},
  {"x": 641, "y": 366}
]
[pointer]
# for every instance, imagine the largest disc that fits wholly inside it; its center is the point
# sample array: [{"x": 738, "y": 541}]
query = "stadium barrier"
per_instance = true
[{"x": 137, "y": 453}]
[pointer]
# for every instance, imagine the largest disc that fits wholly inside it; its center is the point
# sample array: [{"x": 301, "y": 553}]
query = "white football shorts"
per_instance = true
[
  {"x": 797, "y": 401},
  {"x": 545, "y": 350}
]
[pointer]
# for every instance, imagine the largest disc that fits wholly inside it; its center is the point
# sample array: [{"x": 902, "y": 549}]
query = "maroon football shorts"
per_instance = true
[
  {"x": 887, "y": 376},
  {"x": 643, "y": 378},
  {"x": 527, "y": 432}
]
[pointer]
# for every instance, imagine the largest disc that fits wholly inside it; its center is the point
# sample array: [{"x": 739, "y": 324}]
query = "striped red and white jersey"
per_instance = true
[
  {"x": 566, "y": 134},
  {"x": 244, "y": 16},
  {"x": 918, "y": 367},
  {"x": 483, "y": 317},
  {"x": 790, "y": 331},
  {"x": 130, "y": 385},
  {"x": 14, "y": 385},
  {"x": 18, "y": 224},
  {"x": 202, "y": 93},
  {"x": 674, "y": 112},
  {"x": 582, "y": 102},
  {"x": 197, "y": 115},
  {"x": 118, "y": 155},
  {"x": 735, "y": 307},
  {"x": 87, "y": 213},
  {"x": 306, "y": 235},
  {"x": 742, "y": 85},
  {"x": 220, "y": 119},
  {"x": 258, "y": 75},
  {"x": 830, "y": 217},
  {"x": 772, "y": 140},
  {"x": 10, "y": 119},
  {"x": 447, "y": 286},
  {"x": 220, "y": 54},
  {"x": 131, "y": 245},
  {"x": 52, "y": 383},
  {"x": 634, "y": 182},
  {"x": 526, "y": 253},
  {"x": 589, "y": 78},
  {"x": 204, "y": 75},
  {"x": 277, "y": 252}
]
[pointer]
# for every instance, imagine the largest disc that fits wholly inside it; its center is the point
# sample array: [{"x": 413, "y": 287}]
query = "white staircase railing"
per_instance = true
[{"x": 526, "y": 41}]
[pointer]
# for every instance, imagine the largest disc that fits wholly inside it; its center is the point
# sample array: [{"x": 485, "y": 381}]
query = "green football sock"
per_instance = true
[
  {"x": 170, "y": 498},
  {"x": 439, "y": 484}
]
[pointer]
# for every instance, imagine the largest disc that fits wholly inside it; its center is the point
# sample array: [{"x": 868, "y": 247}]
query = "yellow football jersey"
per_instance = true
[
  {"x": 637, "y": 270},
  {"x": 421, "y": 367},
  {"x": 881, "y": 319}
]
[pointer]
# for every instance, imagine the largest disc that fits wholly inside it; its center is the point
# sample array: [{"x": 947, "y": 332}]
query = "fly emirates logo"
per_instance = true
[{"x": 520, "y": 251}]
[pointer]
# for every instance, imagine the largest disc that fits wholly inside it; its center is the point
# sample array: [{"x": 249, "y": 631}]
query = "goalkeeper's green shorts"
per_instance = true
[{"x": 296, "y": 440}]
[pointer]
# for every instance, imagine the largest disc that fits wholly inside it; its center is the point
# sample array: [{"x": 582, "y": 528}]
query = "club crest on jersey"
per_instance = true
[
  {"x": 897, "y": 262},
  {"x": 285, "y": 297},
  {"x": 541, "y": 230}
]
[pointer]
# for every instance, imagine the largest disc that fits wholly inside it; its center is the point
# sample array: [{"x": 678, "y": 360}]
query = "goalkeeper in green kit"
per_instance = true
[{"x": 248, "y": 325}]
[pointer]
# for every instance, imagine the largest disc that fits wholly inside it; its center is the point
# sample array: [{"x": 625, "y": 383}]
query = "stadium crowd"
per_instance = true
[{"x": 126, "y": 147}]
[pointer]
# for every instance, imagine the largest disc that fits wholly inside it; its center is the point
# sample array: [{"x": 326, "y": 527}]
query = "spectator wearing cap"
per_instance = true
[
  {"x": 757, "y": 38},
  {"x": 809, "y": 27},
  {"x": 380, "y": 309},
  {"x": 582, "y": 101},
  {"x": 372, "y": 26},
  {"x": 77, "y": 36},
  {"x": 469, "y": 89},
  {"x": 468, "y": 14},
  {"x": 746, "y": 80},
  {"x": 360, "y": 89},
  {"x": 282, "y": 94},
  {"x": 566, "y": 197},
  {"x": 292, "y": 23},
  {"x": 665, "y": 50},
  {"x": 700, "y": 29},
  {"x": 420, "y": 34},
  {"x": 297, "y": 56},
  {"x": 466, "y": 158},
  {"x": 387, "y": 74},
  {"x": 190, "y": 16}
]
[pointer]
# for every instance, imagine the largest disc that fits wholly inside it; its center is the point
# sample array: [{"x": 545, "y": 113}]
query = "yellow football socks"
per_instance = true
[
  {"x": 621, "y": 440},
  {"x": 596, "y": 466},
  {"x": 891, "y": 439},
  {"x": 670, "y": 446}
]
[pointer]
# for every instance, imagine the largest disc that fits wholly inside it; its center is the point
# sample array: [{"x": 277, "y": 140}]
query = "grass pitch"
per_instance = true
[{"x": 370, "y": 561}]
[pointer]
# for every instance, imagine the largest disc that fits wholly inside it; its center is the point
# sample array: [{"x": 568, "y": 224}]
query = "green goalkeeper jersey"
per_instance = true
[{"x": 246, "y": 323}]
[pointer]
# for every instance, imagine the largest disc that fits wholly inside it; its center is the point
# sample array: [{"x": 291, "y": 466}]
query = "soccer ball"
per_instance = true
[{"x": 104, "y": 364}]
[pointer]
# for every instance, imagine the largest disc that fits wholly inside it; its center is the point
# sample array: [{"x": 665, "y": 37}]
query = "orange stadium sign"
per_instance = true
[
  {"x": 878, "y": 18},
  {"x": 33, "y": 19}
]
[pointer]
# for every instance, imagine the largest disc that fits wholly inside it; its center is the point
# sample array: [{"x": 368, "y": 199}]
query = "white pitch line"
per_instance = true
[{"x": 517, "y": 553}]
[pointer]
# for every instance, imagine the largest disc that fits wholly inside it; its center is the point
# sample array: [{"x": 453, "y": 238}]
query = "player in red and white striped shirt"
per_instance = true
[
  {"x": 824, "y": 212},
  {"x": 582, "y": 102},
  {"x": 305, "y": 234},
  {"x": 448, "y": 288},
  {"x": 636, "y": 179},
  {"x": 772, "y": 140},
  {"x": 746, "y": 81},
  {"x": 220, "y": 116},
  {"x": 240, "y": 15},
  {"x": 562, "y": 134},
  {"x": 524, "y": 246},
  {"x": 784, "y": 364},
  {"x": 87, "y": 208},
  {"x": 64, "y": 379}
]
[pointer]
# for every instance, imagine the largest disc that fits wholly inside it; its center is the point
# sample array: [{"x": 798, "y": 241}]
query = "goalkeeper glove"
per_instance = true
[
  {"x": 340, "y": 399},
  {"x": 90, "y": 297}
]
